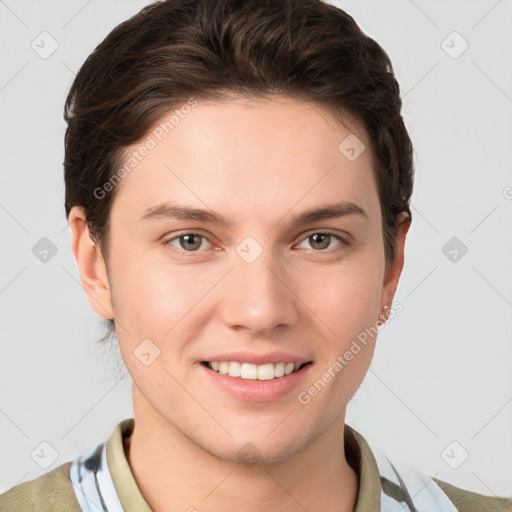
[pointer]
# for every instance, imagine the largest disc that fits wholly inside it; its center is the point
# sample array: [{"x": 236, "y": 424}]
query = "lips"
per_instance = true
[{"x": 255, "y": 390}]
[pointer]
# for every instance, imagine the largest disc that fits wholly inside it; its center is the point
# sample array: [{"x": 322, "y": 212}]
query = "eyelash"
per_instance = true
[{"x": 343, "y": 242}]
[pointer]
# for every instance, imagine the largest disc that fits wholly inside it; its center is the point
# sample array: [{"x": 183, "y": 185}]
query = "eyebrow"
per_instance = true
[{"x": 182, "y": 212}]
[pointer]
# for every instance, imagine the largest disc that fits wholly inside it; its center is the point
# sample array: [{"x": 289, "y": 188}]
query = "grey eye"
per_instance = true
[{"x": 188, "y": 242}]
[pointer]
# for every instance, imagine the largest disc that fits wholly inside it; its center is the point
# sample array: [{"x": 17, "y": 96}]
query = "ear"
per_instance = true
[
  {"x": 91, "y": 266},
  {"x": 394, "y": 268}
]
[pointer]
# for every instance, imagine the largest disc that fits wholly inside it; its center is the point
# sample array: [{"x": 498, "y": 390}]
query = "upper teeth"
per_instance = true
[{"x": 266, "y": 371}]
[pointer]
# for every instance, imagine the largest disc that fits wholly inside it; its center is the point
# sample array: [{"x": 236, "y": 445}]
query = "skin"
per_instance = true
[{"x": 258, "y": 163}]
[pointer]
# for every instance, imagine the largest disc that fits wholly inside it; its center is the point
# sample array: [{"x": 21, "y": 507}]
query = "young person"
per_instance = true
[{"x": 238, "y": 178}]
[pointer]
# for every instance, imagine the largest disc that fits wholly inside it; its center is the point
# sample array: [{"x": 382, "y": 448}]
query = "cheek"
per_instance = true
[
  {"x": 346, "y": 298},
  {"x": 152, "y": 296},
  {"x": 144, "y": 292},
  {"x": 347, "y": 308}
]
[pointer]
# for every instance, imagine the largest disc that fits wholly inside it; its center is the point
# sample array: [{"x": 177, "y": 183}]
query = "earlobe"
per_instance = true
[{"x": 91, "y": 265}]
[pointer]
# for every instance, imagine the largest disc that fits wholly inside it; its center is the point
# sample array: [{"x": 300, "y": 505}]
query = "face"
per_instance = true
[{"x": 185, "y": 289}]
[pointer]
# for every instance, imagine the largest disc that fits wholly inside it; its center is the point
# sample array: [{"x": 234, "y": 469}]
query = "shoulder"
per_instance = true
[
  {"x": 468, "y": 501},
  {"x": 401, "y": 483},
  {"x": 50, "y": 491}
]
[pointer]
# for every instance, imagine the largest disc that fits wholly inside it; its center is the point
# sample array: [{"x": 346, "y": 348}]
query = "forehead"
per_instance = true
[{"x": 245, "y": 153}]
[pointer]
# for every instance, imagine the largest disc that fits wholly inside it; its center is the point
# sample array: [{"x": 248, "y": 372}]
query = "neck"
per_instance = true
[{"x": 174, "y": 473}]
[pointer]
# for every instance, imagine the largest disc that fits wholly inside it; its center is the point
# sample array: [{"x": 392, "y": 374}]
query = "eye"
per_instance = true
[
  {"x": 193, "y": 242},
  {"x": 188, "y": 242},
  {"x": 320, "y": 241}
]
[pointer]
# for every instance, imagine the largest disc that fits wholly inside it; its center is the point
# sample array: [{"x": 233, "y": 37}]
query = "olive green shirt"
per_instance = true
[{"x": 57, "y": 491}]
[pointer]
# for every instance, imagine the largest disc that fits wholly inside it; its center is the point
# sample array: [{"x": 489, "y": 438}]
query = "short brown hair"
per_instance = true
[{"x": 177, "y": 49}]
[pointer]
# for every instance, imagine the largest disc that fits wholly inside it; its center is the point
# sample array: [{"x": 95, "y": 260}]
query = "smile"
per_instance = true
[{"x": 249, "y": 371}]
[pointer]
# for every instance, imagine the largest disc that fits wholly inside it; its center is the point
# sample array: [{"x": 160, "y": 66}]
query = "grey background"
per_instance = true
[{"x": 442, "y": 368}]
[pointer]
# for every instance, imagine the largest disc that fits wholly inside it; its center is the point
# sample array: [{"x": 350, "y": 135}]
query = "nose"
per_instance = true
[{"x": 258, "y": 296}]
